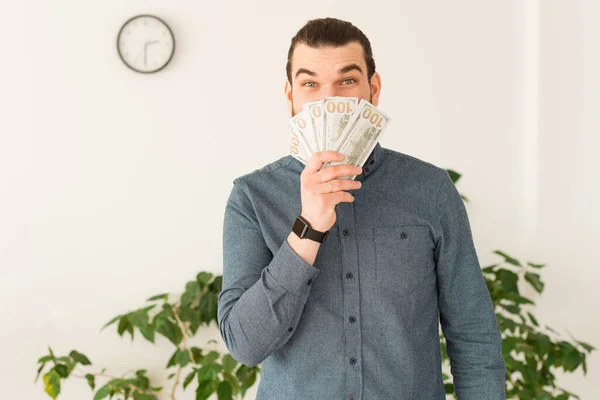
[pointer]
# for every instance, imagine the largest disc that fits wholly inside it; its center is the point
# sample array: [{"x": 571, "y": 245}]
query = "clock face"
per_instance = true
[{"x": 146, "y": 43}]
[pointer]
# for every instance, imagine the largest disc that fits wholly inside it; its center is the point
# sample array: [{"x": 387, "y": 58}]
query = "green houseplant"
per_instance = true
[
  {"x": 530, "y": 352},
  {"x": 176, "y": 321}
]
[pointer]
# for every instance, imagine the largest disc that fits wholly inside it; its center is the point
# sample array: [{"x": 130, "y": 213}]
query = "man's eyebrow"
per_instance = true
[
  {"x": 350, "y": 67},
  {"x": 343, "y": 70},
  {"x": 305, "y": 71}
]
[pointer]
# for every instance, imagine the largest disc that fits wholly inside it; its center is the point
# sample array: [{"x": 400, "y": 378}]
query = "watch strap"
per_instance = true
[{"x": 303, "y": 229}]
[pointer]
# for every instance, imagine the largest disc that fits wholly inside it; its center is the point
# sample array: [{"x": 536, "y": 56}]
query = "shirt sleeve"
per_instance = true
[
  {"x": 467, "y": 316},
  {"x": 263, "y": 294}
]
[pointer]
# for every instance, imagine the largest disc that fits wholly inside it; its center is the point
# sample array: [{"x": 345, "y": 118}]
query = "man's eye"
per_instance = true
[
  {"x": 309, "y": 83},
  {"x": 349, "y": 79}
]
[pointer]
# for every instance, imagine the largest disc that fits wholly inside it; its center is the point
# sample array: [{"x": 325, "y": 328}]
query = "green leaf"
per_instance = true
[
  {"x": 44, "y": 359},
  {"x": 145, "y": 397},
  {"x": 507, "y": 258},
  {"x": 112, "y": 321},
  {"x": 229, "y": 363},
  {"x": 533, "y": 320},
  {"x": 233, "y": 381},
  {"x": 197, "y": 354},
  {"x": 52, "y": 383},
  {"x": 188, "y": 379},
  {"x": 534, "y": 280},
  {"x": 91, "y": 380},
  {"x": 508, "y": 279},
  {"x": 183, "y": 358},
  {"x": 210, "y": 357},
  {"x": 208, "y": 307},
  {"x": 550, "y": 329},
  {"x": 571, "y": 359},
  {"x": 511, "y": 308},
  {"x": 139, "y": 319},
  {"x": 536, "y": 265},
  {"x": 205, "y": 389},
  {"x": 208, "y": 372},
  {"x": 517, "y": 298},
  {"x": 216, "y": 286},
  {"x": 203, "y": 278},
  {"x": 455, "y": 176},
  {"x": 163, "y": 296},
  {"x": 224, "y": 391},
  {"x": 168, "y": 329},
  {"x": 586, "y": 346},
  {"x": 61, "y": 370},
  {"x": 123, "y": 322},
  {"x": 80, "y": 358},
  {"x": 192, "y": 290},
  {"x": 489, "y": 268},
  {"x": 39, "y": 371},
  {"x": 102, "y": 392},
  {"x": 141, "y": 373},
  {"x": 171, "y": 362},
  {"x": 508, "y": 344},
  {"x": 542, "y": 345},
  {"x": 449, "y": 387},
  {"x": 52, "y": 356}
]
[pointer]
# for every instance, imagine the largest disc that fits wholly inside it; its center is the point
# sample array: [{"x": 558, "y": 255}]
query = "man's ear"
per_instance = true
[
  {"x": 288, "y": 96},
  {"x": 375, "y": 88}
]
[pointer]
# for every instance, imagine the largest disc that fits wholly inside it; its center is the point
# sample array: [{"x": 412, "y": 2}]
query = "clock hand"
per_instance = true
[{"x": 145, "y": 51}]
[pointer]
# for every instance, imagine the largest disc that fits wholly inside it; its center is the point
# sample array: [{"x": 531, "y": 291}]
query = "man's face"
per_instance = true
[{"x": 329, "y": 71}]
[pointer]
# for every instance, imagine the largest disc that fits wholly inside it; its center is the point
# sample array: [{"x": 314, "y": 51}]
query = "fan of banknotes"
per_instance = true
[{"x": 342, "y": 124}]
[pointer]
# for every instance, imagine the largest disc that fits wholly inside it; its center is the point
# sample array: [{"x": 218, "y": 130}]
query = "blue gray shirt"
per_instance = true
[{"x": 363, "y": 321}]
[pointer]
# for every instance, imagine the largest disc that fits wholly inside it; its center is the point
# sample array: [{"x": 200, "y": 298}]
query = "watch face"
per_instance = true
[
  {"x": 146, "y": 43},
  {"x": 300, "y": 227}
]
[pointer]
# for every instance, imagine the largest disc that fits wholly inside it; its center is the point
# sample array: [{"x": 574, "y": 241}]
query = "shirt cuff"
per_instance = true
[{"x": 291, "y": 271}]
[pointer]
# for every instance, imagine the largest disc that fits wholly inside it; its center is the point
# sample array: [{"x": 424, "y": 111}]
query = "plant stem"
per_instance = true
[
  {"x": 184, "y": 332},
  {"x": 177, "y": 374}
]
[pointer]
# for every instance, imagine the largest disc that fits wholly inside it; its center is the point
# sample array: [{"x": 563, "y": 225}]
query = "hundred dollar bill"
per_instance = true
[
  {"x": 300, "y": 122},
  {"x": 296, "y": 147},
  {"x": 314, "y": 110},
  {"x": 360, "y": 136},
  {"x": 336, "y": 114}
]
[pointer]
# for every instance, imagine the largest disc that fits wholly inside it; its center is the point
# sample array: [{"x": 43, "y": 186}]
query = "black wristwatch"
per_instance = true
[{"x": 304, "y": 231}]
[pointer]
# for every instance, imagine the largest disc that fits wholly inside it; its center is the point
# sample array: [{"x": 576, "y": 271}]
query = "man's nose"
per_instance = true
[{"x": 330, "y": 90}]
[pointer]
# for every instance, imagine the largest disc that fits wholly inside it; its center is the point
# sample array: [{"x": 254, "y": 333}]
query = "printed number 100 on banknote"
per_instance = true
[{"x": 361, "y": 134}]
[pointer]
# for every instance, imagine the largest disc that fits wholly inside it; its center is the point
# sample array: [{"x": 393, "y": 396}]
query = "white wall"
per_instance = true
[{"x": 113, "y": 184}]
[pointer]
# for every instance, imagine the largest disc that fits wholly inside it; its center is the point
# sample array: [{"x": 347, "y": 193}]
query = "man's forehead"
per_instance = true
[{"x": 326, "y": 57}]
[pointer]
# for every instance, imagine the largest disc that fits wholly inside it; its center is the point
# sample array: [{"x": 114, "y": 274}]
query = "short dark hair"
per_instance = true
[{"x": 331, "y": 32}]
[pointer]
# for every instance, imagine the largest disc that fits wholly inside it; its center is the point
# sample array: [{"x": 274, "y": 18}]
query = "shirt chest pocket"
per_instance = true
[{"x": 404, "y": 256}]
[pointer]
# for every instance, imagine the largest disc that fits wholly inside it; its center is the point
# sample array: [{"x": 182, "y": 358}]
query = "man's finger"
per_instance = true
[{"x": 316, "y": 161}]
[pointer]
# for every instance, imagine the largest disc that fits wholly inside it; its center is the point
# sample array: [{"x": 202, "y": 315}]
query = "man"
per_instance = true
[{"x": 355, "y": 316}]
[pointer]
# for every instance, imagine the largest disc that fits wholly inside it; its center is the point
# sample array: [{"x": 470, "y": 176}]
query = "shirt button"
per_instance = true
[
  {"x": 367, "y": 170},
  {"x": 349, "y": 275},
  {"x": 404, "y": 235},
  {"x": 353, "y": 361},
  {"x": 290, "y": 329},
  {"x": 346, "y": 232},
  {"x": 309, "y": 282},
  {"x": 352, "y": 319}
]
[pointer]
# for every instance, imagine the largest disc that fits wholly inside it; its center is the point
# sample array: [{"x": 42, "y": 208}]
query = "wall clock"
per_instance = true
[{"x": 146, "y": 43}]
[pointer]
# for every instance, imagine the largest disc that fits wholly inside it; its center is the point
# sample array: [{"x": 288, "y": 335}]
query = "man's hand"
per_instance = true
[{"x": 318, "y": 198}]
